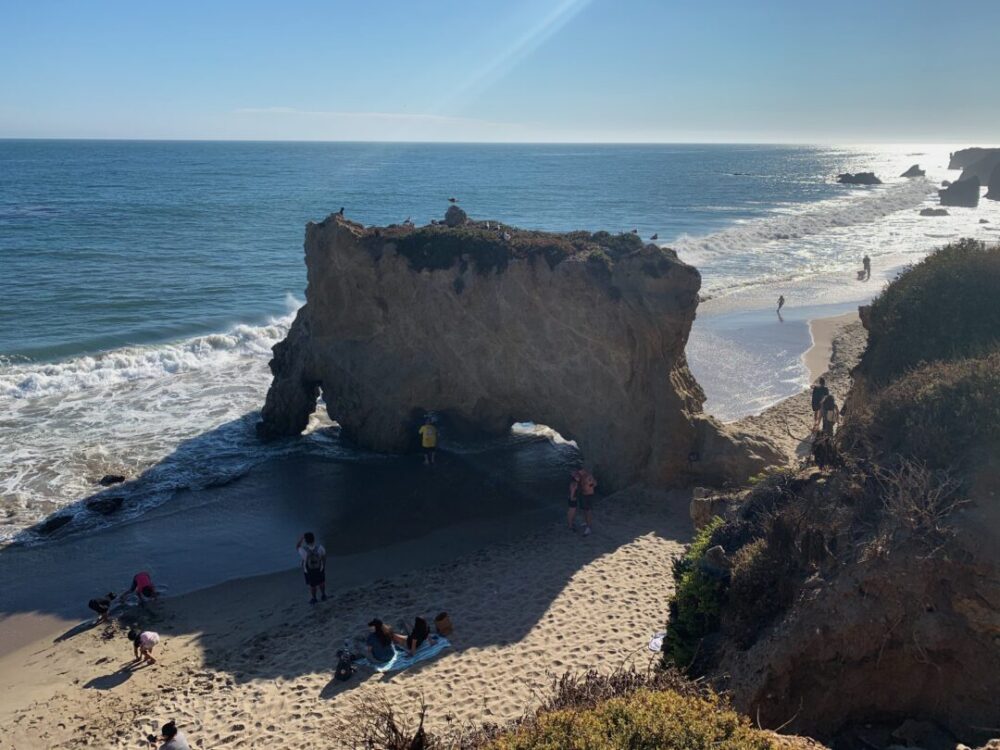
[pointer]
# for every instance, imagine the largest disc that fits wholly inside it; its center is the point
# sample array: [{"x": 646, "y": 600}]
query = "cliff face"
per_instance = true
[
  {"x": 584, "y": 333},
  {"x": 975, "y": 162}
]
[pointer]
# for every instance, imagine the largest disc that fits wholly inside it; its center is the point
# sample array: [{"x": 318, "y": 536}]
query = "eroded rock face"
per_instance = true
[
  {"x": 993, "y": 193},
  {"x": 489, "y": 328},
  {"x": 975, "y": 162}
]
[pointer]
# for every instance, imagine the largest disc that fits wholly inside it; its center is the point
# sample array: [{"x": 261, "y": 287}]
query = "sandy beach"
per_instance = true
[{"x": 248, "y": 663}]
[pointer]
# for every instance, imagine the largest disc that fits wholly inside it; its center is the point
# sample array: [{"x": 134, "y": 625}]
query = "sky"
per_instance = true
[{"x": 787, "y": 71}]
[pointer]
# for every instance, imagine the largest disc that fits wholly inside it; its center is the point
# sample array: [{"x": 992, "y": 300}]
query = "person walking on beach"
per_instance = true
[
  {"x": 781, "y": 303},
  {"x": 428, "y": 440},
  {"x": 819, "y": 393},
  {"x": 581, "y": 494},
  {"x": 867, "y": 263},
  {"x": 828, "y": 415},
  {"x": 313, "y": 558}
]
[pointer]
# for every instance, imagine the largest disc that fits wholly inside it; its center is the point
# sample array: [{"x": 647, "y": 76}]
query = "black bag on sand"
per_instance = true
[{"x": 345, "y": 666}]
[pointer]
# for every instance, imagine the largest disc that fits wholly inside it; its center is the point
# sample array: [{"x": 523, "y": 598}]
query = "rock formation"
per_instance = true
[
  {"x": 975, "y": 162},
  {"x": 914, "y": 171},
  {"x": 861, "y": 178},
  {"x": 582, "y": 332},
  {"x": 933, "y": 212},
  {"x": 993, "y": 191},
  {"x": 961, "y": 193}
]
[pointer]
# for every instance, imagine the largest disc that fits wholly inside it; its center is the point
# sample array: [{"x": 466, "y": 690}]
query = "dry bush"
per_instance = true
[
  {"x": 917, "y": 500},
  {"x": 763, "y": 586}
]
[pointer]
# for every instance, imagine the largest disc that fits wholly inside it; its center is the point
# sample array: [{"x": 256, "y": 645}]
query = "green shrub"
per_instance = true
[
  {"x": 945, "y": 414},
  {"x": 696, "y": 604},
  {"x": 762, "y": 587},
  {"x": 643, "y": 720},
  {"x": 943, "y": 308}
]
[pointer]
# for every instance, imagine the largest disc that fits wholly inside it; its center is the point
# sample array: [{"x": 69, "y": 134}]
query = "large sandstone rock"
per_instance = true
[
  {"x": 961, "y": 193},
  {"x": 489, "y": 329}
]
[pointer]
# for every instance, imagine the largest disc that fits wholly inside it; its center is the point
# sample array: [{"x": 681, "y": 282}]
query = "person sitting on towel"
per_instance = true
[
  {"x": 379, "y": 642},
  {"x": 416, "y": 637}
]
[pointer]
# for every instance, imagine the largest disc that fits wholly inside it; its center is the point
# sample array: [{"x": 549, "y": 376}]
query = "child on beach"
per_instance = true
[
  {"x": 142, "y": 586},
  {"x": 102, "y": 606},
  {"x": 173, "y": 738},
  {"x": 143, "y": 644},
  {"x": 581, "y": 494},
  {"x": 829, "y": 415},
  {"x": 313, "y": 558},
  {"x": 428, "y": 440}
]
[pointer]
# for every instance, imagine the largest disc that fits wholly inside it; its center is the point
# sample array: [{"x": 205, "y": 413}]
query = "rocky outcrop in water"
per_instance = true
[
  {"x": 975, "y": 162},
  {"x": 861, "y": 178},
  {"x": 914, "y": 171},
  {"x": 993, "y": 191},
  {"x": 582, "y": 332},
  {"x": 961, "y": 193},
  {"x": 933, "y": 212}
]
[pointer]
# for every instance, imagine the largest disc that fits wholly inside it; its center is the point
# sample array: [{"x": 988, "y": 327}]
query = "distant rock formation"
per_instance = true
[
  {"x": 961, "y": 193},
  {"x": 582, "y": 332},
  {"x": 914, "y": 171},
  {"x": 861, "y": 178},
  {"x": 993, "y": 191},
  {"x": 933, "y": 212},
  {"x": 976, "y": 162},
  {"x": 455, "y": 216}
]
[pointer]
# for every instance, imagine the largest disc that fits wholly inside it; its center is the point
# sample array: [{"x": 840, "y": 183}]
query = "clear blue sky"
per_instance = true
[{"x": 508, "y": 70}]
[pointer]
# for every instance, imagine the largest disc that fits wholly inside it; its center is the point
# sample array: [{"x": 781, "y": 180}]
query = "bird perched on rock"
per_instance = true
[
  {"x": 635, "y": 231},
  {"x": 407, "y": 221},
  {"x": 341, "y": 211},
  {"x": 453, "y": 200},
  {"x": 655, "y": 237}
]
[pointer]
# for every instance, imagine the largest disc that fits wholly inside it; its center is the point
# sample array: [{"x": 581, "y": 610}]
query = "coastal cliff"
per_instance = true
[{"x": 489, "y": 325}]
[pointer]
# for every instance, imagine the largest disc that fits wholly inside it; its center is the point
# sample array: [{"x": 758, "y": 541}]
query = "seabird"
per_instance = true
[
  {"x": 655, "y": 237},
  {"x": 341, "y": 211},
  {"x": 453, "y": 200},
  {"x": 635, "y": 231}
]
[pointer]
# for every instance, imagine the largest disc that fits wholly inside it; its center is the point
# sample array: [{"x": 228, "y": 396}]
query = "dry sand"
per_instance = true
[{"x": 249, "y": 664}]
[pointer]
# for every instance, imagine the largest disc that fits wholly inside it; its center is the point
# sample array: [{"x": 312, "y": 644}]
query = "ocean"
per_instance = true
[{"x": 142, "y": 284}]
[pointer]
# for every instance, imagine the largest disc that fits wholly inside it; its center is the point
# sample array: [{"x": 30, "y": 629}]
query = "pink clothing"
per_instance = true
[{"x": 148, "y": 639}]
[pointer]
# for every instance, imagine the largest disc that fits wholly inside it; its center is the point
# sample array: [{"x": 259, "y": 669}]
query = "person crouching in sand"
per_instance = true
[
  {"x": 173, "y": 739},
  {"x": 142, "y": 586},
  {"x": 143, "y": 644},
  {"x": 102, "y": 606},
  {"x": 581, "y": 494}
]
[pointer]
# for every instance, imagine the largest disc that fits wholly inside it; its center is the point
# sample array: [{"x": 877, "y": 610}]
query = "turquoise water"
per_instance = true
[{"x": 142, "y": 284}]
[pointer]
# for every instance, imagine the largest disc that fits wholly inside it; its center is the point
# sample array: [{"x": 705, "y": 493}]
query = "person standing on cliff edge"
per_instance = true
[
  {"x": 581, "y": 494},
  {"x": 428, "y": 440}
]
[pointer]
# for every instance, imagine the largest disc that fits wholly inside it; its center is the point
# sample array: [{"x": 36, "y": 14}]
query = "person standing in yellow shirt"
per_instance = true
[{"x": 428, "y": 440}]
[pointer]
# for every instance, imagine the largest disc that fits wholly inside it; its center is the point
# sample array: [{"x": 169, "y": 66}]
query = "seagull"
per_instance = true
[
  {"x": 453, "y": 200},
  {"x": 655, "y": 237},
  {"x": 407, "y": 220},
  {"x": 635, "y": 231},
  {"x": 341, "y": 211}
]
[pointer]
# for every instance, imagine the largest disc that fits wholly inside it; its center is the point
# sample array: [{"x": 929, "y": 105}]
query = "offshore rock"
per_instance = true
[
  {"x": 934, "y": 212},
  {"x": 914, "y": 171},
  {"x": 993, "y": 191},
  {"x": 582, "y": 332},
  {"x": 861, "y": 178},
  {"x": 975, "y": 162},
  {"x": 961, "y": 193}
]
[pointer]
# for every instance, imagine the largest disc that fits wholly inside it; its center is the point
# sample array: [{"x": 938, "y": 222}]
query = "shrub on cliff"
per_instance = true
[
  {"x": 943, "y": 308},
  {"x": 658, "y": 709},
  {"x": 696, "y": 604},
  {"x": 946, "y": 414}
]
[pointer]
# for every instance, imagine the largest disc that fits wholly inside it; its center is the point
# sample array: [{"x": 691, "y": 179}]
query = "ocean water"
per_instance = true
[{"x": 142, "y": 284}]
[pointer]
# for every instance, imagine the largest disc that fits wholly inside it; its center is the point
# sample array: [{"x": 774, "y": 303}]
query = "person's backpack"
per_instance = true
[
  {"x": 345, "y": 666},
  {"x": 314, "y": 560}
]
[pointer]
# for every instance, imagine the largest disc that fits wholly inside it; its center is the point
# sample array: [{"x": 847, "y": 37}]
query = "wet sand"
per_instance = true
[{"x": 822, "y": 331}]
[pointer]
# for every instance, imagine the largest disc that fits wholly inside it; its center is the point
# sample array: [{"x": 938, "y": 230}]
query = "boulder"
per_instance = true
[
  {"x": 105, "y": 505},
  {"x": 993, "y": 187},
  {"x": 984, "y": 221},
  {"x": 861, "y": 178},
  {"x": 53, "y": 523},
  {"x": 961, "y": 193},
  {"x": 455, "y": 217},
  {"x": 914, "y": 171},
  {"x": 582, "y": 332},
  {"x": 109, "y": 479},
  {"x": 706, "y": 507},
  {"x": 933, "y": 212}
]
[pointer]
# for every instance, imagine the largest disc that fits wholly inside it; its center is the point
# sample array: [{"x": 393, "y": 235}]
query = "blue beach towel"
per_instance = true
[{"x": 402, "y": 660}]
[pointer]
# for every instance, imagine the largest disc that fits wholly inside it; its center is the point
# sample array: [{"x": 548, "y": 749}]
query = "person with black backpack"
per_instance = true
[{"x": 313, "y": 557}]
